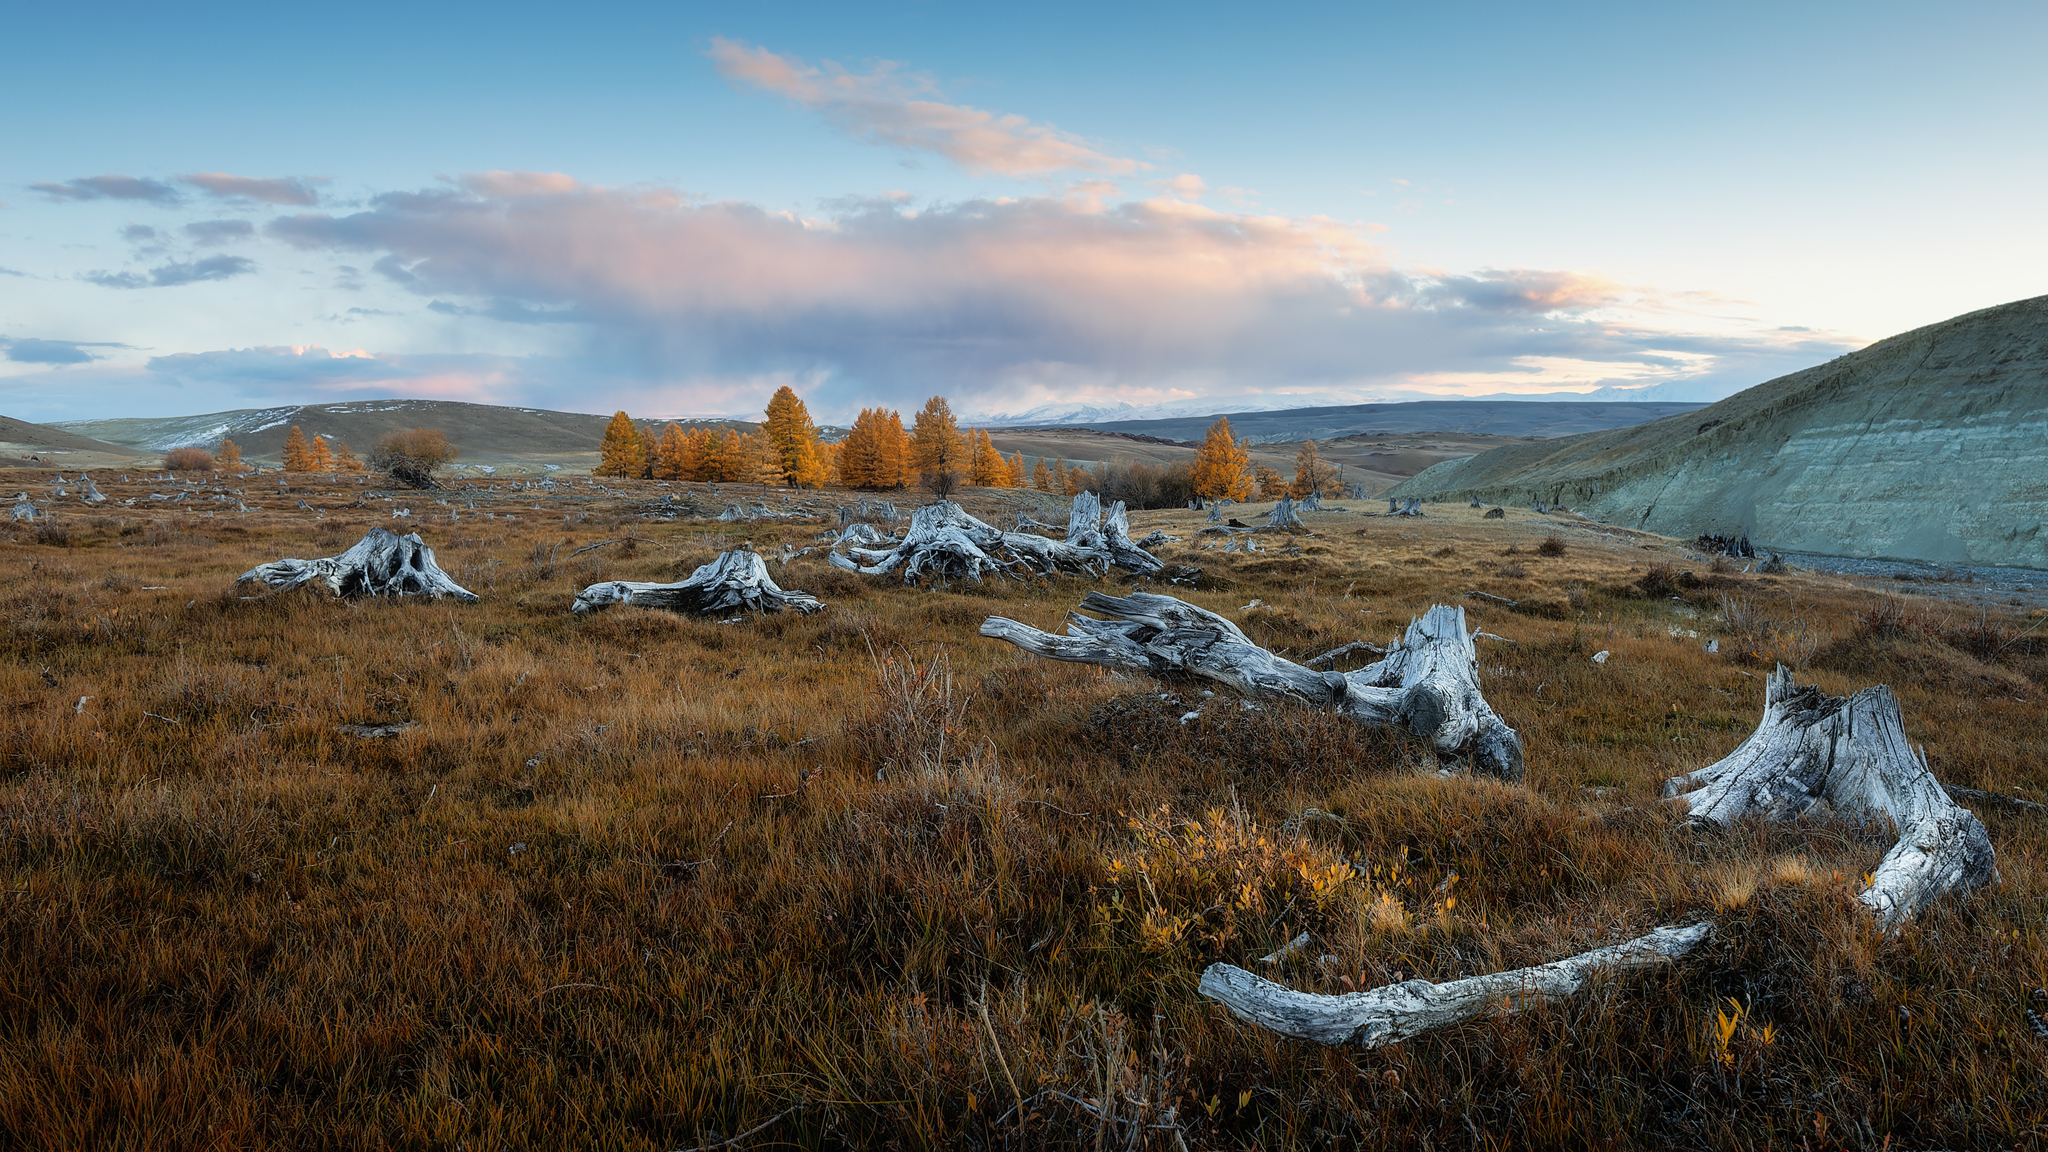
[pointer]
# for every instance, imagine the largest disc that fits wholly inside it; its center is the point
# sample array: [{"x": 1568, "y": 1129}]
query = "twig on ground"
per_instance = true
[
  {"x": 761, "y": 1127},
  {"x": 1333, "y": 653}
]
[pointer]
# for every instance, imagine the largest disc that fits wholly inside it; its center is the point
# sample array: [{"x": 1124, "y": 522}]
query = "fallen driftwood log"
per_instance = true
[
  {"x": 737, "y": 579},
  {"x": 945, "y": 542},
  {"x": 755, "y": 511},
  {"x": 1851, "y": 754},
  {"x": 382, "y": 563},
  {"x": 1810, "y": 748},
  {"x": 1426, "y": 684},
  {"x": 1397, "y": 1012}
]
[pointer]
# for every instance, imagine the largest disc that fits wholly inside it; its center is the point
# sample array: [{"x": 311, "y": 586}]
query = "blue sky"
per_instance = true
[{"x": 677, "y": 208}]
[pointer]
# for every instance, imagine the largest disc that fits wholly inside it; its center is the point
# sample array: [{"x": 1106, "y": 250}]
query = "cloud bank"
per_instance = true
[{"x": 1007, "y": 303}]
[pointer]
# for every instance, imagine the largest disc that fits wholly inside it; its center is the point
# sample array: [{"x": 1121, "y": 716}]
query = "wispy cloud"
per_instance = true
[
  {"x": 889, "y": 106},
  {"x": 176, "y": 273},
  {"x": 299, "y": 190},
  {"x": 111, "y": 187}
]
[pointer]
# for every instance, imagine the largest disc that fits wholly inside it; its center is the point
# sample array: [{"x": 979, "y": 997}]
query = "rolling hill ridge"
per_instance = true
[{"x": 1931, "y": 445}]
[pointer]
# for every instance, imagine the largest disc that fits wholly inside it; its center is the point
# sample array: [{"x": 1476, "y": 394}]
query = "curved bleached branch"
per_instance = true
[
  {"x": 1398, "y": 1012},
  {"x": 382, "y": 563},
  {"x": 1427, "y": 684}
]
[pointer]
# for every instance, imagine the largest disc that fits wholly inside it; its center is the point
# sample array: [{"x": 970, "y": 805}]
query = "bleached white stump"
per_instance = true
[
  {"x": 382, "y": 563},
  {"x": 1284, "y": 515},
  {"x": 737, "y": 579},
  {"x": 1851, "y": 755},
  {"x": 1397, "y": 1012},
  {"x": 1426, "y": 684}
]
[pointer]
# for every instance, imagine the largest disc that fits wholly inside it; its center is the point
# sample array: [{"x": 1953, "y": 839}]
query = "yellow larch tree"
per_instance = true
[
  {"x": 319, "y": 457},
  {"x": 989, "y": 469},
  {"x": 1018, "y": 476},
  {"x": 1041, "y": 476},
  {"x": 671, "y": 453},
  {"x": 1223, "y": 467},
  {"x": 297, "y": 457},
  {"x": 938, "y": 452},
  {"x": 228, "y": 458},
  {"x": 1272, "y": 485},
  {"x": 795, "y": 437},
  {"x": 622, "y": 453},
  {"x": 1312, "y": 473},
  {"x": 345, "y": 460}
]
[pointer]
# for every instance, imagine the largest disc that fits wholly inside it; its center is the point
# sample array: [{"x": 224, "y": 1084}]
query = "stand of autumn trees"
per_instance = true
[
  {"x": 315, "y": 455},
  {"x": 879, "y": 454}
]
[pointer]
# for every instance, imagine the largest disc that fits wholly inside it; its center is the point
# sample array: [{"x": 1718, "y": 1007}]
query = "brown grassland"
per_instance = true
[{"x": 639, "y": 881}]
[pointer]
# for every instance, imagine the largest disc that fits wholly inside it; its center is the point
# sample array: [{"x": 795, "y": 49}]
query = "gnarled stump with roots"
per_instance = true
[
  {"x": 944, "y": 542},
  {"x": 737, "y": 579},
  {"x": 1852, "y": 756},
  {"x": 382, "y": 563},
  {"x": 1427, "y": 684}
]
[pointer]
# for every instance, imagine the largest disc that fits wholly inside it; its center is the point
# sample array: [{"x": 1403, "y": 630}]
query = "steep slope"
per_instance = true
[
  {"x": 1931, "y": 445},
  {"x": 481, "y": 432}
]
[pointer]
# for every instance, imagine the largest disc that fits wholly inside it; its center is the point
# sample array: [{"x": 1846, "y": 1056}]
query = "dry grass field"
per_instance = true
[{"x": 864, "y": 879}]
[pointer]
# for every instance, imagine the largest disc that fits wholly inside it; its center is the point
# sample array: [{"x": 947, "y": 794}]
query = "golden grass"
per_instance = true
[{"x": 641, "y": 881}]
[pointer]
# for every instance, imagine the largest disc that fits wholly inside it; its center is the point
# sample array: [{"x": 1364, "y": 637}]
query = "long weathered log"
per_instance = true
[
  {"x": 1398, "y": 1012},
  {"x": 737, "y": 579},
  {"x": 1427, "y": 684},
  {"x": 1851, "y": 754},
  {"x": 382, "y": 563}
]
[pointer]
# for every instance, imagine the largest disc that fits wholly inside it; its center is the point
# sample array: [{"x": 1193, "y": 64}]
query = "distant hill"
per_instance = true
[
  {"x": 17, "y": 434},
  {"x": 32, "y": 445},
  {"x": 1931, "y": 445},
  {"x": 482, "y": 433},
  {"x": 1539, "y": 418}
]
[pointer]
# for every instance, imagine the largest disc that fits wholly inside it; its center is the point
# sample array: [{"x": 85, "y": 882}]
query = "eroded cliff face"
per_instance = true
[{"x": 1932, "y": 445}]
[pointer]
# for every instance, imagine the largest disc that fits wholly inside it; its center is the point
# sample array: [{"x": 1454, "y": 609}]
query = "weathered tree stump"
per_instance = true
[
  {"x": 1427, "y": 684},
  {"x": 737, "y": 579},
  {"x": 1284, "y": 515},
  {"x": 1314, "y": 503},
  {"x": 1851, "y": 755},
  {"x": 945, "y": 542},
  {"x": 382, "y": 563}
]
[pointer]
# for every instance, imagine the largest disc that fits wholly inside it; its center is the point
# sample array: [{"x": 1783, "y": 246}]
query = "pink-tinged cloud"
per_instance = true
[
  {"x": 995, "y": 303},
  {"x": 887, "y": 106},
  {"x": 298, "y": 190}
]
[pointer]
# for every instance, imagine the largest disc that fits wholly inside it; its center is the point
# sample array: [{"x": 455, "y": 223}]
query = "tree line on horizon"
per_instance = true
[{"x": 879, "y": 454}]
